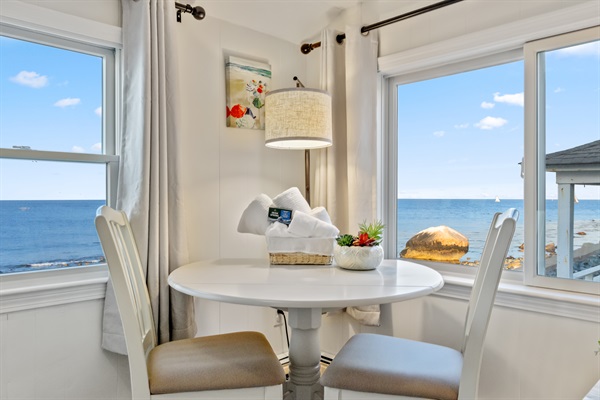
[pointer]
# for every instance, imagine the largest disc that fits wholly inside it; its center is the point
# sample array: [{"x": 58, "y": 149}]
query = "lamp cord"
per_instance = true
[{"x": 287, "y": 336}]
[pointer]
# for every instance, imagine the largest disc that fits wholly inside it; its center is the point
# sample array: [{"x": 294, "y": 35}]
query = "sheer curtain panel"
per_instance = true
[
  {"x": 149, "y": 189},
  {"x": 346, "y": 173}
]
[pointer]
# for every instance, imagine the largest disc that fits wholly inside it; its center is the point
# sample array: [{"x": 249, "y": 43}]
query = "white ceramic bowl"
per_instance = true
[{"x": 357, "y": 257}]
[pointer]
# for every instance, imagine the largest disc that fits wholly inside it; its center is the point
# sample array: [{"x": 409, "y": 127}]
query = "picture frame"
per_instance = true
[{"x": 247, "y": 83}]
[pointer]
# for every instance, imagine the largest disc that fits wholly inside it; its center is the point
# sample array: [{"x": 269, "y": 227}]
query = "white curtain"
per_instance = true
[
  {"x": 346, "y": 173},
  {"x": 149, "y": 189}
]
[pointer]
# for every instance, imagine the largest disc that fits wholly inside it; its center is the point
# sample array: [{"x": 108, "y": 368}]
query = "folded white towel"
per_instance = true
[
  {"x": 277, "y": 229},
  {"x": 304, "y": 225},
  {"x": 291, "y": 199},
  {"x": 255, "y": 218},
  {"x": 366, "y": 315},
  {"x": 323, "y": 246},
  {"x": 320, "y": 213}
]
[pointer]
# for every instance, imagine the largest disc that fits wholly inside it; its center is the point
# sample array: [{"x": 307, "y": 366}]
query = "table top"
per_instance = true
[{"x": 256, "y": 282}]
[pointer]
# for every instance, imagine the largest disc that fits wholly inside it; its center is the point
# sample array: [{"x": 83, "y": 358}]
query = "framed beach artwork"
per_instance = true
[{"x": 247, "y": 83}]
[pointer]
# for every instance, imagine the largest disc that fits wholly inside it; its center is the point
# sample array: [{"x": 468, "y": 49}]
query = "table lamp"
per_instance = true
[{"x": 298, "y": 119}]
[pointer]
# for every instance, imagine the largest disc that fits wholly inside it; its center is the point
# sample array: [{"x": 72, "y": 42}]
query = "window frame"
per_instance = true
[
  {"x": 25, "y": 291},
  {"x": 534, "y": 162},
  {"x": 109, "y": 156},
  {"x": 472, "y": 51}
]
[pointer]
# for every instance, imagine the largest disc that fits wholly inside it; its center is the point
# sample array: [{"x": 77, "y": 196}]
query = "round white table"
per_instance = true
[{"x": 306, "y": 291}]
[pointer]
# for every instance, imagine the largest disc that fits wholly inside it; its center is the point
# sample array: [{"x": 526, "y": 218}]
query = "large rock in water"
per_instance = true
[{"x": 439, "y": 243}]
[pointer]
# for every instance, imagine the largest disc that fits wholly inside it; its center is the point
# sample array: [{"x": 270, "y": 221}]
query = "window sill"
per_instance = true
[
  {"x": 48, "y": 288},
  {"x": 38, "y": 289},
  {"x": 512, "y": 293}
]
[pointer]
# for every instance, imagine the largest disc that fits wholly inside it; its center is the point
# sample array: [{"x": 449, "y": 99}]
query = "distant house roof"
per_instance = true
[{"x": 586, "y": 156}]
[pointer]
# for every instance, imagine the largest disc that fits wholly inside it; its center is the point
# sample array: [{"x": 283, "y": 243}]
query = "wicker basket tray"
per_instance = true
[{"x": 299, "y": 259}]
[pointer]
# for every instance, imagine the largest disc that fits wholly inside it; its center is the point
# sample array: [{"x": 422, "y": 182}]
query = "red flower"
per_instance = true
[{"x": 364, "y": 239}]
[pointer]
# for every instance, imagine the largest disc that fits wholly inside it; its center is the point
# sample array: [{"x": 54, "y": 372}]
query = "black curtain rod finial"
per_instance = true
[{"x": 197, "y": 12}]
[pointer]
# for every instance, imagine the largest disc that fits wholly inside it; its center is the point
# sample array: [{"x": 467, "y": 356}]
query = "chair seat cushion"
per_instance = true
[
  {"x": 226, "y": 361},
  {"x": 388, "y": 365}
]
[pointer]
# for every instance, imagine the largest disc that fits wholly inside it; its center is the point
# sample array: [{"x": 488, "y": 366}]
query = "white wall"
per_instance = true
[
  {"x": 226, "y": 168},
  {"x": 54, "y": 353}
]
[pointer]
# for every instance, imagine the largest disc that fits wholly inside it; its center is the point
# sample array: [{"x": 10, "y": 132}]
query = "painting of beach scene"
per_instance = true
[{"x": 247, "y": 85}]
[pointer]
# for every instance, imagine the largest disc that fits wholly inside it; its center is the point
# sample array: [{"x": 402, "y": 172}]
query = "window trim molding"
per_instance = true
[
  {"x": 43, "y": 155},
  {"x": 37, "y": 289},
  {"x": 51, "y": 22},
  {"x": 487, "y": 43}
]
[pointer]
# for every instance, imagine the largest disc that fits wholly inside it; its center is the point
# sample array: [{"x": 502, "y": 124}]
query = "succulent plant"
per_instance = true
[
  {"x": 368, "y": 235},
  {"x": 345, "y": 240}
]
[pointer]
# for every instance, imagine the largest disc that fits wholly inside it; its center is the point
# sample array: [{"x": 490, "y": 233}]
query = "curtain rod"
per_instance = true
[
  {"x": 197, "y": 12},
  {"x": 308, "y": 47}
]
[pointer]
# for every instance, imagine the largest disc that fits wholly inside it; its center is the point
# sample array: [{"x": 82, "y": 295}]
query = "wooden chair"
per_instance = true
[
  {"x": 239, "y": 365},
  {"x": 377, "y": 367}
]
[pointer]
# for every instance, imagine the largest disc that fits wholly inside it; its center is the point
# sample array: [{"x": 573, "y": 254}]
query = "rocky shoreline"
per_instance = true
[{"x": 444, "y": 244}]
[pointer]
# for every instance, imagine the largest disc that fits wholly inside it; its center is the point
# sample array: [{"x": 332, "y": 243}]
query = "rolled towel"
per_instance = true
[
  {"x": 304, "y": 225},
  {"x": 278, "y": 229},
  {"x": 291, "y": 199},
  {"x": 255, "y": 218},
  {"x": 323, "y": 246},
  {"x": 320, "y": 213}
]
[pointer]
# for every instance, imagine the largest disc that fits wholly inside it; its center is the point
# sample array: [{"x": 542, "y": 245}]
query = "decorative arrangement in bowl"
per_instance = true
[{"x": 361, "y": 252}]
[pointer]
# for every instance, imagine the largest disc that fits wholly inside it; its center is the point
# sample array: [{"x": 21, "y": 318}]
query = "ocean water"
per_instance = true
[
  {"x": 45, "y": 234},
  {"x": 473, "y": 217}
]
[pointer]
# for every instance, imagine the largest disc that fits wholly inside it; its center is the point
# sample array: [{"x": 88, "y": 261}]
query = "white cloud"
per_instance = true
[
  {"x": 559, "y": 90},
  {"x": 97, "y": 147},
  {"x": 491, "y": 122},
  {"x": 439, "y": 133},
  {"x": 31, "y": 79},
  {"x": 461, "y": 126},
  {"x": 98, "y": 111},
  {"x": 77, "y": 149},
  {"x": 485, "y": 104},
  {"x": 586, "y": 49},
  {"x": 517, "y": 99},
  {"x": 67, "y": 102}
]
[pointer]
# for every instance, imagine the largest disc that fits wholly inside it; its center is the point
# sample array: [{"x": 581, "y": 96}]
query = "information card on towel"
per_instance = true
[{"x": 280, "y": 215}]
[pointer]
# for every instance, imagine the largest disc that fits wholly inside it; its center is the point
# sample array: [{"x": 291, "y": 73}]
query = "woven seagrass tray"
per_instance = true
[{"x": 299, "y": 259}]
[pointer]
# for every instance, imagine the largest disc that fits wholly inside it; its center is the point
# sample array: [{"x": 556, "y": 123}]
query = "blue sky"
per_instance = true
[
  {"x": 461, "y": 136},
  {"x": 50, "y": 99}
]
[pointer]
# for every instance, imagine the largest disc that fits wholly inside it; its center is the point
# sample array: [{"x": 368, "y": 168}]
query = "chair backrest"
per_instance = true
[
  {"x": 129, "y": 284},
  {"x": 482, "y": 298}
]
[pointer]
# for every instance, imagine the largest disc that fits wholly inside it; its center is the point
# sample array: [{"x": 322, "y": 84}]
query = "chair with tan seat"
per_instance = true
[
  {"x": 378, "y": 367},
  {"x": 240, "y": 365}
]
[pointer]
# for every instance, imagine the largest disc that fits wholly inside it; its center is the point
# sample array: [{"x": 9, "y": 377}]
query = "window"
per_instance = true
[
  {"x": 513, "y": 115},
  {"x": 563, "y": 130},
  {"x": 460, "y": 143},
  {"x": 57, "y": 149}
]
